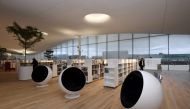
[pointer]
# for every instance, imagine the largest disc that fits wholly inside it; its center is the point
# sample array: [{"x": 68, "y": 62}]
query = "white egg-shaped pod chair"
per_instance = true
[
  {"x": 72, "y": 80},
  {"x": 141, "y": 90},
  {"x": 41, "y": 75}
]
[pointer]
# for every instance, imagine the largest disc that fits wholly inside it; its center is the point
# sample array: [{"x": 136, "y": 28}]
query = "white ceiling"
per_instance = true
[{"x": 64, "y": 19}]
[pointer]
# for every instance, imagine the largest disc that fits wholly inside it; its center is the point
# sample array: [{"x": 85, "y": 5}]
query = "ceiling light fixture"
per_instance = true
[
  {"x": 22, "y": 51},
  {"x": 68, "y": 31},
  {"x": 44, "y": 33},
  {"x": 97, "y": 18}
]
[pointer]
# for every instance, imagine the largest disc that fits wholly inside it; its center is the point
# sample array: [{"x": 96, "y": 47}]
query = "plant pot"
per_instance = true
[{"x": 25, "y": 72}]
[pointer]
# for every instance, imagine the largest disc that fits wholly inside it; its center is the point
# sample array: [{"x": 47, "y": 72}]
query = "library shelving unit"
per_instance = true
[
  {"x": 130, "y": 65},
  {"x": 112, "y": 73},
  {"x": 48, "y": 63},
  {"x": 103, "y": 63},
  {"x": 51, "y": 64},
  {"x": 117, "y": 70},
  {"x": 61, "y": 65},
  {"x": 84, "y": 65},
  {"x": 135, "y": 64},
  {"x": 87, "y": 69},
  {"x": 77, "y": 62},
  {"x": 97, "y": 69},
  {"x": 54, "y": 70}
]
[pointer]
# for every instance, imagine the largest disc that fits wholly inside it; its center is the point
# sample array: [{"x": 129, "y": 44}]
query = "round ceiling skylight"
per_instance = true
[{"x": 97, "y": 18}]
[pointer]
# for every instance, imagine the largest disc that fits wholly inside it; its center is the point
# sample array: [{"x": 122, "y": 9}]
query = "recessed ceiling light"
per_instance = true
[
  {"x": 22, "y": 51},
  {"x": 97, "y": 18},
  {"x": 44, "y": 33},
  {"x": 67, "y": 31}
]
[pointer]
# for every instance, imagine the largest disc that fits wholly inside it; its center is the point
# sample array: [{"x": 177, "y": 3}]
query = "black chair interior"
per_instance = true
[
  {"x": 73, "y": 79},
  {"x": 131, "y": 89},
  {"x": 40, "y": 73}
]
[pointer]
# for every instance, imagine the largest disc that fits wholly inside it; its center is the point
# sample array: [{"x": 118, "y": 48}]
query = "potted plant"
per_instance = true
[
  {"x": 27, "y": 38},
  {"x": 49, "y": 54},
  {"x": 2, "y": 53}
]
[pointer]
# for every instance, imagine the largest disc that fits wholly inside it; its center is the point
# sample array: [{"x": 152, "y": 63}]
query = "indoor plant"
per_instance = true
[
  {"x": 2, "y": 53},
  {"x": 27, "y": 37},
  {"x": 48, "y": 54}
]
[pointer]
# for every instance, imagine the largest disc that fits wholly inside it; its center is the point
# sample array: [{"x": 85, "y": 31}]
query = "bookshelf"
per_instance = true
[
  {"x": 117, "y": 70},
  {"x": 61, "y": 65},
  {"x": 51, "y": 64},
  {"x": 88, "y": 71},
  {"x": 97, "y": 68},
  {"x": 93, "y": 69},
  {"x": 77, "y": 62},
  {"x": 48, "y": 63}
]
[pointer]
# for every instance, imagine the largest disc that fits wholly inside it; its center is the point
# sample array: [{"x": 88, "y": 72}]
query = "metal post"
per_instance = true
[
  {"x": 149, "y": 45},
  {"x": 168, "y": 51},
  {"x": 79, "y": 50},
  {"x": 189, "y": 63},
  {"x": 118, "y": 46},
  {"x": 106, "y": 46},
  {"x": 132, "y": 45}
]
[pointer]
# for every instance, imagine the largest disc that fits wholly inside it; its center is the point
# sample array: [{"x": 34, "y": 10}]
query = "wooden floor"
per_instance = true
[{"x": 16, "y": 94}]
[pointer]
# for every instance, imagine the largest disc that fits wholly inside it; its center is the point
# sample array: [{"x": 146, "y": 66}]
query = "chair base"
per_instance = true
[
  {"x": 72, "y": 96},
  {"x": 40, "y": 86}
]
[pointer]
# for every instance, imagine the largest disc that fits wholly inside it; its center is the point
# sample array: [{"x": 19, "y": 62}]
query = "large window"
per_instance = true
[
  {"x": 113, "y": 50},
  {"x": 70, "y": 51},
  {"x": 65, "y": 44},
  {"x": 84, "y": 50},
  {"x": 54, "y": 52},
  {"x": 141, "y": 47},
  {"x": 158, "y": 46},
  {"x": 172, "y": 49},
  {"x": 179, "y": 44},
  {"x": 125, "y": 36},
  {"x": 140, "y": 35},
  {"x": 84, "y": 40},
  {"x": 70, "y": 43},
  {"x": 64, "y": 53},
  {"x": 101, "y": 49},
  {"x": 92, "y": 50},
  {"x": 41, "y": 55},
  {"x": 101, "y": 38},
  {"x": 59, "y": 54},
  {"x": 75, "y": 42},
  {"x": 126, "y": 45},
  {"x": 112, "y": 37},
  {"x": 92, "y": 39},
  {"x": 75, "y": 50}
]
